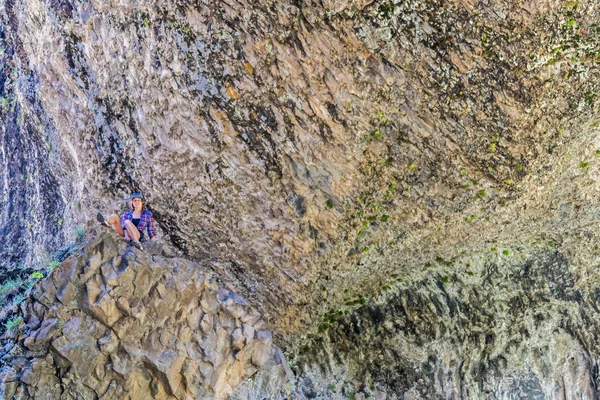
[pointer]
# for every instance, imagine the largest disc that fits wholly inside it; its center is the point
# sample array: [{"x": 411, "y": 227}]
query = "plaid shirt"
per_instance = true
[{"x": 146, "y": 222}]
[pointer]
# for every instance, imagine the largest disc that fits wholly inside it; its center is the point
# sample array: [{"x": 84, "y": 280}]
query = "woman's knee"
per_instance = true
[{"x": 113, "y": 219}]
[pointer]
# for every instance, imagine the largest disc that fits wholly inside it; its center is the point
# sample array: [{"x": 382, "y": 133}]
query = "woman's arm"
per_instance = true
[{"x": 151, "y": 228}]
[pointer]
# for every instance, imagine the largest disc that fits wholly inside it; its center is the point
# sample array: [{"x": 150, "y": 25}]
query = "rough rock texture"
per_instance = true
[
  {"x": 286, "y": 141},
  {"x": 312, "y": 153},
  {"x": 116, "y": 323},
  {"x": 479, "y": 326}
]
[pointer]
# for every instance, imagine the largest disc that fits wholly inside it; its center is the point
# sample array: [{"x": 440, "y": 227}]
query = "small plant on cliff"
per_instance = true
[
  {"x": 36, "y": 275},
  {"x": 79, "y": 233},
  {"x": 589, "y": 98},
  {"x": 13, "y": 323},
  {"x": 584, "y": 164},
  {"x": 10, "y": 287},
  {"x": 52, "y": 266}
]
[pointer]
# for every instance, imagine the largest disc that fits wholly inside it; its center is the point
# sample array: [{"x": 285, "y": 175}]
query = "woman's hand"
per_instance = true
[
  {"x": 127, "y": 236},
  {"x": 153, "y": 238}
]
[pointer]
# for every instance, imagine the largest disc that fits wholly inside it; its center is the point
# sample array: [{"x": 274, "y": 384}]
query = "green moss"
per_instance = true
[
  {"x": 411, "y": 166},
  {"x": 584, "y": 164}
]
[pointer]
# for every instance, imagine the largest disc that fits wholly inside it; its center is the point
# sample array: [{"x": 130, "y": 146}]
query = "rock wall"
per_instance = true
[
  {"x": 116, "y": 323},
  {"x": 478, "y": 326},
  {"x": 313, "y": 153},
  {"x": 284, "y": 142}
]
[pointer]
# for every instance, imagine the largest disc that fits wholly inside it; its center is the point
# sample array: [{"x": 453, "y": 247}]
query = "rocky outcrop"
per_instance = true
[{"x": 116, "y": 323}]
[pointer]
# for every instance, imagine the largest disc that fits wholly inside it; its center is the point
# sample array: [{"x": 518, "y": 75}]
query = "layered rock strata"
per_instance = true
[{"x": 117, "y": 323}]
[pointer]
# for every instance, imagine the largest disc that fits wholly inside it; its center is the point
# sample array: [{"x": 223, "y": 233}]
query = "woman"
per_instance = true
[{"x": 135, "y": 224}]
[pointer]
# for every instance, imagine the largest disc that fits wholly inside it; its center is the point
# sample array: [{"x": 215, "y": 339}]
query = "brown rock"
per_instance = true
[
  {"x": 238, "y": 340},
  {"x": 209, "y": 302}
]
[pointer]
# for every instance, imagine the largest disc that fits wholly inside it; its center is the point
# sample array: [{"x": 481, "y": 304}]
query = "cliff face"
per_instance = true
[
  {"x": 313, "y": 154},
  {"x": 288, "y": 142}
]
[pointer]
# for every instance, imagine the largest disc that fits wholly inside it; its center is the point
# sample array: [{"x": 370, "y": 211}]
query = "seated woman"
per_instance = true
[{"x": 134, "y": 224}]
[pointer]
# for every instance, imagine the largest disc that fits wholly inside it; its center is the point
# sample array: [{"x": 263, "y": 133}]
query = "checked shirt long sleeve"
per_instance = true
[{"x": 146, "y": 222}]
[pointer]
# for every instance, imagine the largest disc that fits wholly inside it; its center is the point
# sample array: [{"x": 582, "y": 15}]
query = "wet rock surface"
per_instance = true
[{"x": 113, "y": 322}]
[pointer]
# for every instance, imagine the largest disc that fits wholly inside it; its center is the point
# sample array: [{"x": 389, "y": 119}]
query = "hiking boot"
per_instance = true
[
  {"x": 137, "y": 245},
  {"x": 102, "y": 219}
]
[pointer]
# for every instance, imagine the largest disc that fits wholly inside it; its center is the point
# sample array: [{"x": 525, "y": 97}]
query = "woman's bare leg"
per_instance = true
[
  {"x": 115, "y": 222},
  {"x": 134, "y": 234}
]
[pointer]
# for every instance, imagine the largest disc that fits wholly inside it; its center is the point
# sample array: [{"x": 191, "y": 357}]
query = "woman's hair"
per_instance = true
[{"x": 137, "y": 196}]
